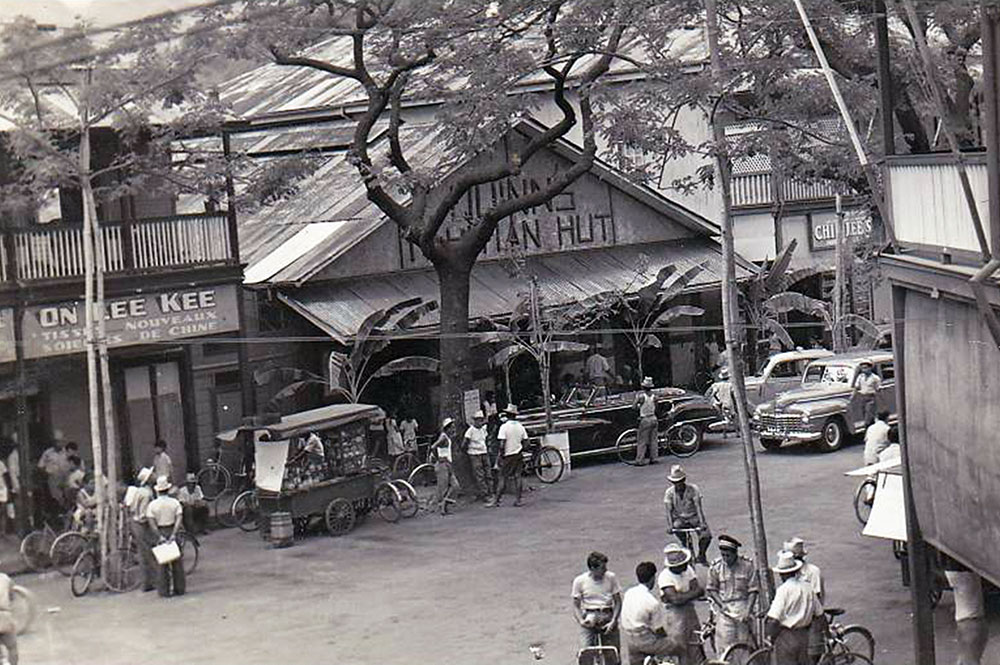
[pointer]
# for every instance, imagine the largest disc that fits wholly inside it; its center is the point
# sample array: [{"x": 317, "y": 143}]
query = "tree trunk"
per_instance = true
[
  {"x": 456, "y": 364},
  {"x": 730, "y": 321},
  {"x": 110, "y": 434}
]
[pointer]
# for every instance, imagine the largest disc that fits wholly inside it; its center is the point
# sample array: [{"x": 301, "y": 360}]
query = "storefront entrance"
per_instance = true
[{"x": 154, "y": 412}]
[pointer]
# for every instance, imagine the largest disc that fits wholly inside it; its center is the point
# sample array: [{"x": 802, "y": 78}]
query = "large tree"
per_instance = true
[{"x": 472, "y": 60}]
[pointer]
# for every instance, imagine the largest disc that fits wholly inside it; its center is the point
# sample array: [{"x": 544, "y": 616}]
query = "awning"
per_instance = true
[
  {"x": 323, "y": 418},
  {"x": 339, "y": 308}
]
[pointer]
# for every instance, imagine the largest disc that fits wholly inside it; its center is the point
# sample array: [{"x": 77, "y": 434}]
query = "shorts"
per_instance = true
[{"x": 513, "y": 465}]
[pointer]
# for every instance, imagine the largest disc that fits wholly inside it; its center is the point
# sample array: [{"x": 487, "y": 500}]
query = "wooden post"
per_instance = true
[
  {"x": 920, "y": 584},
  {"x": 731, "y": 321},
  {"x": 838, "y": 281}
]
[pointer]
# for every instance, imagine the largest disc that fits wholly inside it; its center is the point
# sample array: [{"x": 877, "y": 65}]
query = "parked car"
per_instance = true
[
  {"x": 826, "y": 409},
  {"x": 595, "y": 417}
]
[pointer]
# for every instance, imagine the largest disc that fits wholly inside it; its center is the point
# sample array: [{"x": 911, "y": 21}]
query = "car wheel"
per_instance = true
[
  {"x": 770, "y": 444},
  {"x": 833, "y": 435}
]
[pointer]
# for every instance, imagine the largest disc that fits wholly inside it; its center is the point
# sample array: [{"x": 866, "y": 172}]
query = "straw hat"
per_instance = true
[
  {"x": 675, "y": 555},
  {"x": 647, "y": 382},
  {"x": 511, "y": 410},
  {"x": 787, "y": 563},
  {"x": 676, "y": 474},
  {"x": 447, "y": 421},
  {"x": 796, "y": 546},
  {"x": 143, "y": 476},
  {"x": 163, "y": 484},
  {"x": 479, "y": 414}
]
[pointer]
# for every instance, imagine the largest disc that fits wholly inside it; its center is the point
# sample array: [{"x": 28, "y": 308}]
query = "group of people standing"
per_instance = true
[{"x": 155, "y": 518}]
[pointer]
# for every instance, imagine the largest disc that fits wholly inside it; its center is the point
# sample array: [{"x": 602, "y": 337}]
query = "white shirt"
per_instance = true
[
  {"x": 513, "y": 434},
  {"x": 681, "y": 582},
  {"x": 876, "y": 440},
  {"x": 165, "y": 510},
  {"x": 139, "y": 502},
  {"x": 186, "y": 496},
  {"x": 868, "y": 384},
  {"x": 14, "y": 467},
  {"x": 409, "y": 429},
  {"x": 476, "y": 436},
  {"x": 594, "y": 594},
  {"x": 162, "y": 465},
  {"x": 641, "y": 609},
  {"x": 811, "y": 574},
  {"x": 795, "y": 604},
  {"x": 597, "y": 366},
  {"x": 443, "y": 448}
]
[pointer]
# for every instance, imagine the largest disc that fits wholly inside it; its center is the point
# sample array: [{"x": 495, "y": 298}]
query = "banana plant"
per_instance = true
[
  {"x": 788, "y": 301},
  {"x": 350, "y": 373}
]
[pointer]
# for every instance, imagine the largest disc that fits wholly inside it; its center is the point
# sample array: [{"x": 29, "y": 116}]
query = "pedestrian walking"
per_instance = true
[
  {"x": 877, "y": 437},
  {"x": 408, "y": 428},
  {"x": 734, "y": 586},
  {"x": 475, "y": 447},
  {"x": 137, "y": 500},
  {"x": 643, "y": 620},
  {"x": 165, "y": 515},
  {"x": 794, "y": 609},
  {"x": 867, "y": 384},
  {"x": 646, "y": 439},
  {"x": 512, "y": 436},
  {"x": 443, "y": 470},
  {"x": 193, "y": 502},
  {"x": 683, "y": 503},
  {"x": 597, "y": 603},
  {"x": 679, "y": 588},
  {"x": 162, "y": 464},
  {"x": 8, "y": 630}
]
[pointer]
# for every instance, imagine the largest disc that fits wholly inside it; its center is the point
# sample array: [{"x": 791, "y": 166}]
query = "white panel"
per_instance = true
[{"x": 929, "y": 207}]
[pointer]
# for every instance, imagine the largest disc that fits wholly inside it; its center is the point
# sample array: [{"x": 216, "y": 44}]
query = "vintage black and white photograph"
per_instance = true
[{"x": 448, "y": 332}]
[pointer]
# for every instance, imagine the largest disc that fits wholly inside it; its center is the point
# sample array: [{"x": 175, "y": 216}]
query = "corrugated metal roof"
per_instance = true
[{"x": 340, "y": 308}]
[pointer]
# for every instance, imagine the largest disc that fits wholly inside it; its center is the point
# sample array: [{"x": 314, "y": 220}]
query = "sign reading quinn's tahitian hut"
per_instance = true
[{"x": 58, "y": 329}]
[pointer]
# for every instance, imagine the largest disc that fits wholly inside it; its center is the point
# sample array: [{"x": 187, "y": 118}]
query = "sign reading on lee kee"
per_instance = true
[
  {"x": 857, "y": 224},
  {"x": 53, "y": 330}
]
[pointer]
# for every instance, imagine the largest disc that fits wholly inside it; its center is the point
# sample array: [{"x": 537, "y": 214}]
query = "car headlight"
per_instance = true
[
  {"x": 756, "y": 415},
  {"x": 805, "y": 418}
]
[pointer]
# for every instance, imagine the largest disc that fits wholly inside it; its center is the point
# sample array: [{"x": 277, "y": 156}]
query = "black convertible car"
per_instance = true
[{"x": 596, "y": 418}]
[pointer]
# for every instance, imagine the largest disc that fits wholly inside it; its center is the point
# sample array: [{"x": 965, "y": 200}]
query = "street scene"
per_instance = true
[{"x": 499, "y": 331}]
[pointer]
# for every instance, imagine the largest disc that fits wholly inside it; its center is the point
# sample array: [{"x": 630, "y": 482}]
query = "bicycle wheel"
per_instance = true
[
  {"x": 124, "y": 572},
  {"x": 84, "y": 571},
  {"x": 863, "y": 498},
  {"x": 65, "y": 550},
  {"x": 424, "y": 482},
  {"x": 24, "y": 607},
  {"x": 404, "y": 464},
  {"x": 684, "y": 440},
  {"x": 35, "y": 550},
  {"x": 246, "y": 512},
  {"x": 626, "y": 445},
  {"x": 760, "y": 657},
  {"x": 859, "y": 640},
  {"x": 844, "y": 658},
  {"x": 223, "y": 508},
  {"x": 214, "y": 479},
  {"x": 189, "y": 551},
  {"x": 548, "y": 464},
  {"x": 737, "y": 654},
  {"x": 409, "y": 505},
  {"x": 387, "y": 501}
]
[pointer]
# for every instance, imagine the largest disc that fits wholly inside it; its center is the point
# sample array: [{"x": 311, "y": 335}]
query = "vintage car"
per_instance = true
[
  {"x": 782, "y": 372},
  {"x": 595, "y": 417},
  {"x": 826, "y": 409}
]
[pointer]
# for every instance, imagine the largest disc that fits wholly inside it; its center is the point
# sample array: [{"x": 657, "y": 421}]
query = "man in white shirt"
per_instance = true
[
  {"x": 408, "y": 428},
  {"x": 162, "y": 464},
  {"x": 597, "y": 369},
  {"x": 794, "y": 609},
  {"x": 597, "y": 602},
  {"x": 813, "y": 576},
  {"x": 137, "y": 500},
  {"x": 646, "y": 439},
  {"x": 867, "y": 384},
  {"x": 512, "y": 436},
  {"x": 193, "y": 501},
  {"x": 165, "y": 515},
  {"x": 475, "y": 448},
  {"x": 877, "y": 437},
  {"x": 443, "y": 469},
  {"x": 642, "y": 619},
  {"x": 679, "y": 587}
]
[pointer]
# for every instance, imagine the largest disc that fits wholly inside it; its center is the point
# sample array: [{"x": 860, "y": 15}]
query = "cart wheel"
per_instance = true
[
  {"x": 423, "y": 479},
  {"x": 339, "y": 517},
  {"x": 409, "y": 505},
  {"x": 246, "y": 512},
  {"x": 388, "y": 500}
]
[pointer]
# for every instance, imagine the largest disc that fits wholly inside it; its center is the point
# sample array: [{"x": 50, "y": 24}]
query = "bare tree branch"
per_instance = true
[{"x": 321, "y": 65}]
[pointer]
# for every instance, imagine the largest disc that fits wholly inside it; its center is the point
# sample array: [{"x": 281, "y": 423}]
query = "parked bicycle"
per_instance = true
[
  {"x": 37, "y": 544},
  {"x": 864, "y": 498},
  {"x": 680, "y": 439},
  {"x": 123, "y": 570},
  {"x": 842, "y": 645},
  {"x": 216, "y": 479}
]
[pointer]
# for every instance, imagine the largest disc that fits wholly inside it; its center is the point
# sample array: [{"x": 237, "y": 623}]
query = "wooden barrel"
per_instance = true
[{"x": 281, "y": 529}]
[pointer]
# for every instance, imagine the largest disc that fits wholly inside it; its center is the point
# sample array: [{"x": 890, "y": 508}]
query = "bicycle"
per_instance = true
[
  {"x": 687, "y": 537},
  {"x": 679, "y": 439},
  {"x": 864, "y": 498},
  {"x": 123, "y": 573},
  {"x": 37, "y": 544},
  {"x": 842, "y": 645}
]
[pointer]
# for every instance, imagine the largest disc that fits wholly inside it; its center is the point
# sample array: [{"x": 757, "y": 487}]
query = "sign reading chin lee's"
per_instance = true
[{"x": 58, "y": 329}]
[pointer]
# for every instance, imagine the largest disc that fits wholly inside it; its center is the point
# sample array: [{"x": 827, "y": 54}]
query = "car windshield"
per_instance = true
[{"x": 828, "y": 374}]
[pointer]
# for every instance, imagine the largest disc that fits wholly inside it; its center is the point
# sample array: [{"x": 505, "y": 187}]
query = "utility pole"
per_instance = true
[
  {"x": 731, "y": 318},
  {"x": 839, "y": 277},
  {"x": 110, "y": 433}
]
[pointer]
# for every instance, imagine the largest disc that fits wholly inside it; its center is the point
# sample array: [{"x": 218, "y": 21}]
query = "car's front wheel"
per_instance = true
[
  {"x": 770, "y": 444},
  {"x": 833, "y": 435}
]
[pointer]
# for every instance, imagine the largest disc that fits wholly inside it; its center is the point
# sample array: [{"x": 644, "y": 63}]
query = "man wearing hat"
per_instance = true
[
  {"x": 193, "y": 501},
  {"x": 479, "y": 459},
  {"x": 810, "y": 572},
  {"x": 165, "y": 515},
  {"x": 733, "y": 586},
  {"x": 792, "y": 612},
  {"x": 867, "y": 384},
  {"x": 512, "y": 436},
  {"x": 137, "y": 499},
  {"x": 645, "y": 403},
  {"x": 682, "y": 502},
  {"x": 679, "y": 587},
  {"x": 443, "y": 470}
]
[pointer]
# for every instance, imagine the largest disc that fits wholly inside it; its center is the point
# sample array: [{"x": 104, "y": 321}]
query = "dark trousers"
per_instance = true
[
  {"x": 170, "y": 577},
  {"x": 141, "y": 537},
  {"x": 481, "y": 472},
  {"x": 511, "y": 468},
  {"x": 791, "y": 647},
  {"x": 195, "y": 518}
]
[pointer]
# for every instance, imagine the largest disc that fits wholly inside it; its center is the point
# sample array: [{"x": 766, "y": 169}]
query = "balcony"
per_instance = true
[
  {"x": 753, "y": 190},
  {"x": 56, "y": 252}
]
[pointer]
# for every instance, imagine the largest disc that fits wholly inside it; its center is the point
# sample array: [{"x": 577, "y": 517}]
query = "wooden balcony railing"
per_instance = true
[
  {"x": 56, "y": 252},
  {"x": 754, "y": 189}
]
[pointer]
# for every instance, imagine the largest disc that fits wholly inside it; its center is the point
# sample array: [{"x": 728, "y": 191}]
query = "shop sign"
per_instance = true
[
  {"x": 8, "y": 352},
  {"x": 58, "y": 329},
  {"x": 823, "y": 230}
]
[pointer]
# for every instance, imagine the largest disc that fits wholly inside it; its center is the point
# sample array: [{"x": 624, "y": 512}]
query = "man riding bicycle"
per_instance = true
[{"x": 682, "y": 502}]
